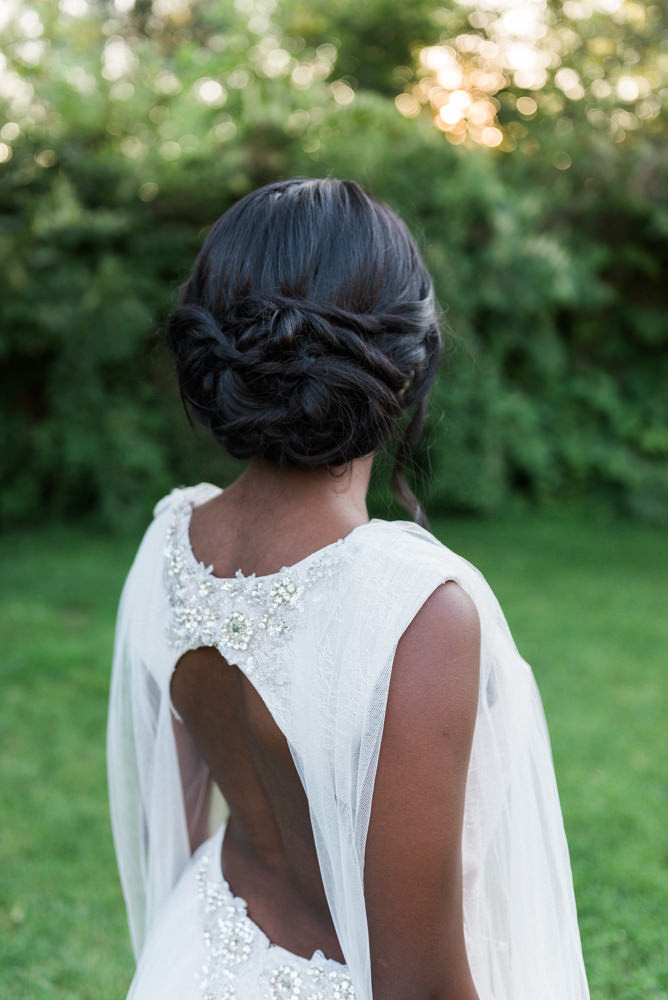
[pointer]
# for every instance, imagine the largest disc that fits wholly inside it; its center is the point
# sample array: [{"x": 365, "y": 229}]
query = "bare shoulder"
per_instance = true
[
  {"x": 448, "y": 614},
  {"x": 437, "y": 662}
]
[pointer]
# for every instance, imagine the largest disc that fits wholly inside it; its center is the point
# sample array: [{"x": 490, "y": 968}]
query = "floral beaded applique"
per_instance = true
[
  {"x": 241, "y": 615},
  {"x": 240, "y": 961},
  {"x": 228, "y": 936},
  {"x": 291, "y": 982}
]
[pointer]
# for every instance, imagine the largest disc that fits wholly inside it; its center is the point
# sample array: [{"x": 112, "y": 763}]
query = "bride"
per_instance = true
[{"x": 350, "y": 686}]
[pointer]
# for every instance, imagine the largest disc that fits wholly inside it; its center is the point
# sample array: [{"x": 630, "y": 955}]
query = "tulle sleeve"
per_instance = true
[{"x": 158, "y": 785}]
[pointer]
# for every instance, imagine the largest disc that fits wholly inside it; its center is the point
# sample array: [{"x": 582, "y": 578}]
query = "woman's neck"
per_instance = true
[
  {"x": 272, "y": 517},
  {"x": 274, "y": 514},
  {"x": 337, "y": 494}
]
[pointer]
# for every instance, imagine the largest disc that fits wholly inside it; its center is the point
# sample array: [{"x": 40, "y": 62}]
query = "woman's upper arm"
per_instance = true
[{"x": 413, "y": 868}]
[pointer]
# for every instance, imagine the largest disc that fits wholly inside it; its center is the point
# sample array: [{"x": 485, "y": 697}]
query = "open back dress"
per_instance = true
[{"x": 317, "y": 641}]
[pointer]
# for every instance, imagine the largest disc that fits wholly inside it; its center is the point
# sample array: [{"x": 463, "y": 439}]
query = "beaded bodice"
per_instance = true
[{"x": 246, "y": 618}]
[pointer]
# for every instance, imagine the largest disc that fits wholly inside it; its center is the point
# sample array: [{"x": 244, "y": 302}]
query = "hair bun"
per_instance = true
[{"x": 288, "y": 379}]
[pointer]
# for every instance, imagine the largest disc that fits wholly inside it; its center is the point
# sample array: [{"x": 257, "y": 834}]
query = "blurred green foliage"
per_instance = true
[{"x": 131, "y": 127}]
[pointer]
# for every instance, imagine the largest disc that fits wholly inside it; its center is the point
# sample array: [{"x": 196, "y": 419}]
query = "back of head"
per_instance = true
[{"x": 307, "y": 328}]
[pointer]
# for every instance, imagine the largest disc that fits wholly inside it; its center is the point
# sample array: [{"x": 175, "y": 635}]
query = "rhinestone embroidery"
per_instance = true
[
  {"x": 228, "y": 938},
  {"x": 244, "y": 615},
  {"x": 308, "y": 982},
  {"x": 285, "y": 984},
  {"x": 237, "y": 631},
  {"x": 236, "y": 948}
]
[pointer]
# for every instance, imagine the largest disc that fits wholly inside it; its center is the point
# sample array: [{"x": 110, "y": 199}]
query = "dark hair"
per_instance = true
[{"x": 307, "y": 328}]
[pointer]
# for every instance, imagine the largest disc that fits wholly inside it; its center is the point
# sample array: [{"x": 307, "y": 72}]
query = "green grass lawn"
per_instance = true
[{"x": 586, "y": 601}]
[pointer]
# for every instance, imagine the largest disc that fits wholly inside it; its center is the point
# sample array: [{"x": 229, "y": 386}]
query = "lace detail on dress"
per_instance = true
[
  {"x": 243, "y": 617},
  {"x": 228, "y": 936},
  {"x": 290, "y": 982},
  {"x": 236, "y": 949}
]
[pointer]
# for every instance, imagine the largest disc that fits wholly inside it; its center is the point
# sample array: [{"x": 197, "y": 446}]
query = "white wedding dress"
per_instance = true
[{"x": 317, "y": 641}]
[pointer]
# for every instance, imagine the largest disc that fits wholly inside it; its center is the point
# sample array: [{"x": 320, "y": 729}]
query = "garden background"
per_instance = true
[{"x": 524, "y": 142}]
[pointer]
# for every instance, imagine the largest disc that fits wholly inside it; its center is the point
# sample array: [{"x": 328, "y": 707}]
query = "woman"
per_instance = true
[{"x": 394, "y": 827}]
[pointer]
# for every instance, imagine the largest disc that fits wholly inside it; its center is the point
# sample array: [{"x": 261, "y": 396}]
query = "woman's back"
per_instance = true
[{"x": 269, "y": 855}]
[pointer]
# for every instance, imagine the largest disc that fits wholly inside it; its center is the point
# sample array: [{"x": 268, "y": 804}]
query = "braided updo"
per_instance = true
[{"x": 307, "y": 328}]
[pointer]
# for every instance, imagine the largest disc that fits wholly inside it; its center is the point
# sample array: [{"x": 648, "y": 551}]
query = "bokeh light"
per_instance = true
[{"x": 542, "y": 59}]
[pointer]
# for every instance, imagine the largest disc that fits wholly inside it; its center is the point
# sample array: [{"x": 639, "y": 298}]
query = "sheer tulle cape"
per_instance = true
[{"x": 520, "y": 920}]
